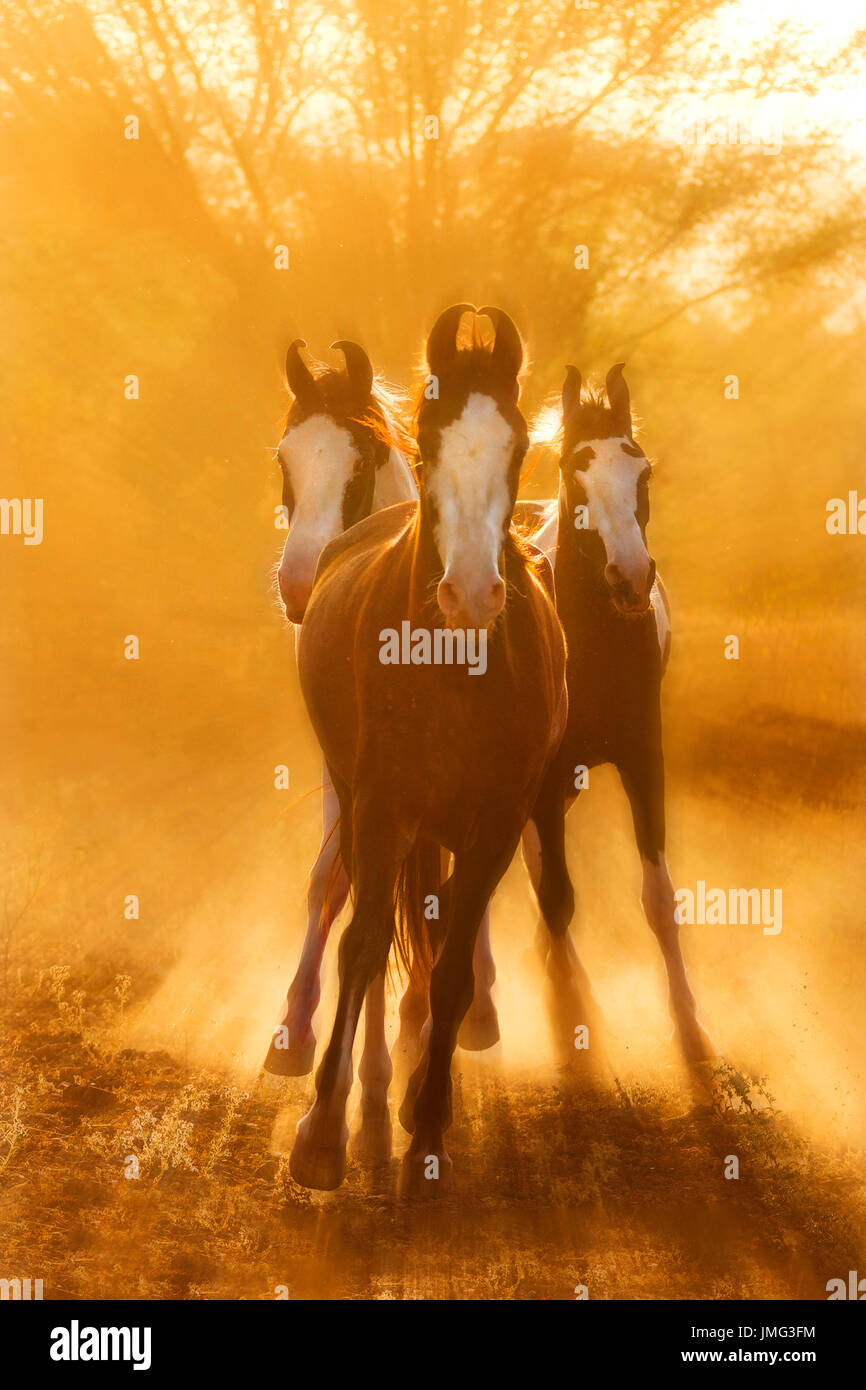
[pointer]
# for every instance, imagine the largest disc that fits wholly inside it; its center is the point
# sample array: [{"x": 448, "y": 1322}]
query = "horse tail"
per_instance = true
[{"x": 419, "y": 880}]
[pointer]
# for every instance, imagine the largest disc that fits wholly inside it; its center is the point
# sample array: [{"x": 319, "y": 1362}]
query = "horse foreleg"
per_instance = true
[
  {"x": 427, "y": 1166},
  {"x": 574, "y": 1014},
  {"x": 319, "y": 1153},
  {"x": 293, "y": 1045},
  {"x": 643, "y": 780}
]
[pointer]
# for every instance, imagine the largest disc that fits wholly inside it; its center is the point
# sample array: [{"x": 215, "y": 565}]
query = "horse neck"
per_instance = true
[
  {"x": 395, "y": 481},
  {"x": 426, "y": 562}
]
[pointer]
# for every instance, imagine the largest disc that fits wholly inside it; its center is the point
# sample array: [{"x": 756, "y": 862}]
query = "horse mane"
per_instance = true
[
  {"x": 519, "y": 539},
  {"x": 388, "y": 420},
  {"x": 472, "y": 364},
  {"x": 390, "y": 423},
  {"x": 473, "y": 360},
  {"x": 547, "y": 430}
]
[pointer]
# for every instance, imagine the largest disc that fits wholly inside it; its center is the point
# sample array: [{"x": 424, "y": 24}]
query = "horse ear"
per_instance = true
[
  {"x": 359, "y": 368},
  {"x": 617, "y": 395},
  {"x": 300, "y": 378},
  {"x": 571, "y": 393},
  {"x": 507, "y": 351},
  {"x": 442, "y": 340}
]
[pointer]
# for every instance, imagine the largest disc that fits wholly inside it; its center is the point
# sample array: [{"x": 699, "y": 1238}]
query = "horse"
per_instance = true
[
  {"x": 340, "y": 462},
  {"x": 424, "y": 756},
  {"x": 616, "y": 618}
]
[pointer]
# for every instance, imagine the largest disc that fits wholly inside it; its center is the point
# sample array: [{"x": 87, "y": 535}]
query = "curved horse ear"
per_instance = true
[
  {"x": 507, "y": 351},
  {"x": 359, "y": 368},
  {"x": 442, "y": 340},
  {"x": 571, "y": 393},
  {"x": 617, "y": 395},
  {"x": 300, "y": 378}
]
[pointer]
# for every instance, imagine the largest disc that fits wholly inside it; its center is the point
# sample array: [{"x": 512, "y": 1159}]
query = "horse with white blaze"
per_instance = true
[
  {"x": 424, "y": 756},
  {"x": 616, "y": 619},
  {"x": 341, "y": 462}
]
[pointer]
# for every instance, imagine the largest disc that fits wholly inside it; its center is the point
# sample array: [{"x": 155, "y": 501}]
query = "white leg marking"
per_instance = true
[
  {"x": 657, "y": 899},
  {"x": 326, "y": 897}
]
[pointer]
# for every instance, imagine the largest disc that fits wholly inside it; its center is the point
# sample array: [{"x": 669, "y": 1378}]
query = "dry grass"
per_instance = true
[{"x": 622, "y": 1191}]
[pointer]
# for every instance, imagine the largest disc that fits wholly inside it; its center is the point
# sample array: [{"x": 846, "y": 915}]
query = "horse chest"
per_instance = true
[{"x": 612, "y": 675}]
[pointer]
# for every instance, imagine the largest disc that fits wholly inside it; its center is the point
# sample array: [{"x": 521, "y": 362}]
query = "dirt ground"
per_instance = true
[
  {"x": 622, "y": 1193},
  {"x": 134, "y": 1046}
]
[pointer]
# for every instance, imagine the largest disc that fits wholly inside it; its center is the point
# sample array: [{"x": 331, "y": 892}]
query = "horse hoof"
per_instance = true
[
  {"x": 313, "y": 1164},
  {"x": 371, "y": 1143},
  {"x": 296, "y": 1059},
  {"x": 426, "y": 1175},
  {"x": 479, "y": 1031}
]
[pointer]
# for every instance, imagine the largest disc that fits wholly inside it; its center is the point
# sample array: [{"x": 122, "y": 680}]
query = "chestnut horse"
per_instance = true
[
  {"x": 424, "y": 755},
  {"x": 340, "y": 463}
]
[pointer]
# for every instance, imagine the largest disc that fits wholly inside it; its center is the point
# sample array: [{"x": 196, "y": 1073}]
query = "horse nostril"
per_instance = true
[
  {"x": 614, "y": 576},
  {"x": 449, "y": 599}
]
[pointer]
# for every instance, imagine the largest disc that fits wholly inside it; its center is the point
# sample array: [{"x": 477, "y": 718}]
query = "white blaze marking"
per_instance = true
[
  {"x": 547, "y": 539},
  {"x": 470, "y": 488},
  {"x": 320, "y": 458},
  {"x": 610, "y": 483}
]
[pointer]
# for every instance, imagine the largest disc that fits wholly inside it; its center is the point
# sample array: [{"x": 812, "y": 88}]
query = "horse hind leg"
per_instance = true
[
  {"x": 415, "y": 1003},
  {"x": 371, "y": 1143},
  {"x": 414, "y": 1011},
  {"x": 480, "y": 1027}
]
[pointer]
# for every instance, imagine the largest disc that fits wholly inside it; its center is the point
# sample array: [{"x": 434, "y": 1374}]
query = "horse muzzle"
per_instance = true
[
  {"x": 628, "y": 598},
  {"x": 295, "y": 596},
  {"x": 471, "y": 608}
]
